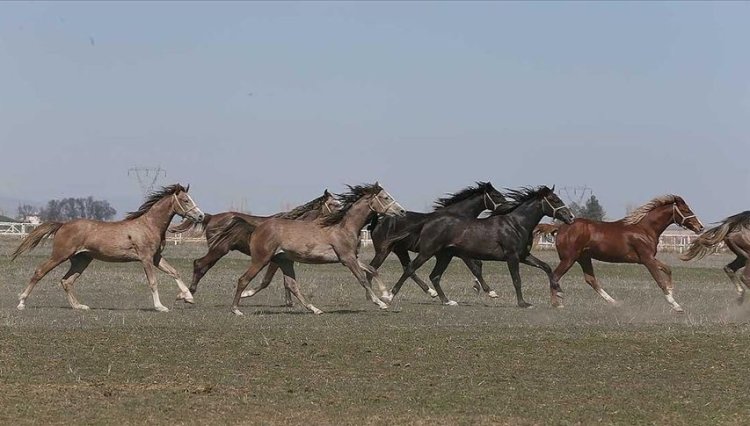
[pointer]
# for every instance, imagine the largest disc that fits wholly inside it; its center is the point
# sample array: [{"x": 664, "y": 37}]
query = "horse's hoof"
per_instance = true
[
  {"x": 316, "y": 311},
  {"x": 476, "y": 288},
  {"x": 525, "y": 305},
  {"x": 432, "y": 293},
  {"x": 451, "y": 303},
  {"x": 187, "y": 298},
  {"x": 237, "y": 312},
  {"x": 82, "y": 308},
  {"x": 678, "y": 310},
  {"x": 21, "y": 307},
  {"x": 247, "y": 293},
  {"x": 161, "y": 309},
  {"x": 387, "y": 298},
  {"x": 492, "y": 294},
  {"x": 383, "y": 306}
]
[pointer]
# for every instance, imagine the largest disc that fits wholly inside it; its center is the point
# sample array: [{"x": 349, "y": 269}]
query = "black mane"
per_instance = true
[
  {"x": 516, "y": 197},
  {"x": 462, "y": 195},
  {"x": 348, "y": 199},
  {"x": 153, "y": 198}
]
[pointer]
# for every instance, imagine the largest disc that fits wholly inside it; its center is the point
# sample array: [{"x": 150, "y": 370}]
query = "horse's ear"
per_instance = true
[
  {"x": 377, "y": 184},
  {"x": 326, "y": 193},
  {"x": 187, "y": 188},
  {"x": 553, "y": 188}
]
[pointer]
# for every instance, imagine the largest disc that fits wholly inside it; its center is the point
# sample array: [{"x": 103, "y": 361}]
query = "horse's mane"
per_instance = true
[
  {"x": 516, "y": 197},
  {"x": 636, "y": 215},
  {"x": 299, "y": 211},
  {"x": 739, "y": 219},
  {"x": 153, "y": 198},
  {"x": 462, "y": 195},
  {"x": 348, "y": 199}
]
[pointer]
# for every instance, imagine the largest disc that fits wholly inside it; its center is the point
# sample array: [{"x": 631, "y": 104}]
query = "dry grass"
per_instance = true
[{"x": 483, "y": 362}]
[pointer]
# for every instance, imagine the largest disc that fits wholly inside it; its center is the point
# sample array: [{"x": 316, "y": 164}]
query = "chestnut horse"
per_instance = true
[
  {"x": 734, "y": 231},
  {"x": 240, "y": 241},
  {"x": 335, "y": 238},
  {"x": 632, "y": 239},
  {"x": 138, "y": 238}
]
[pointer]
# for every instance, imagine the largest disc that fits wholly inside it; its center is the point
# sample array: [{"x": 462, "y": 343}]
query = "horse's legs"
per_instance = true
[
  {"x": 267, "y": 278},
  {"x": 148, "y": 268},
  {"x": 168, "y": 269},
  {"x": 202, "y": 265},
  {"x": 78, "y": 264},
  {"x": 373, "y": 273},
  {"x": 39, "y": 273},
  {"x": 588, "y": 275},
  {"x": 656, "y": 267},
  {"x": 290, "y": 283},
  {"x": 375, "y": 263},
  {"x": 475, "y": 266},
  {"x": 409, "y": 271},
  {"x": 731, "y": 270},
  {"x": 515, "y": 275},
  {"x": 403, "y": 257},
  {"x": 442, "y": 260},
  {"x": 257, "y": 263},
  {"x": 350, "y": 261},
  {"x": 566, "y": 262}
]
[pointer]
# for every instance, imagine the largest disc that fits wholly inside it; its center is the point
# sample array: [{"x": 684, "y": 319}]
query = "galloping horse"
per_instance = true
[
  {"x": 734, "y": 231},
  {"x": 332, "y": 239},
  {"x": 240, "y": 241},
  {"x": 468, "y": 202},
  {"x": 506, "y": 236},
  {"x": 138, "y": 238},
  {"x": 632, "y": 239}
]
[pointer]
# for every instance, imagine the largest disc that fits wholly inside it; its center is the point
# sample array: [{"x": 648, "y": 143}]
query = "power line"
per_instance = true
[{"x": 147, "y": 177}]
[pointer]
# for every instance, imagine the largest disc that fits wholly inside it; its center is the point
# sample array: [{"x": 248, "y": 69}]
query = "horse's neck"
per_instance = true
[
  {"x": 159, "y": 215},
  {"x": 470, "y": 207},
  {"x": 310, "y": 216},
  {"x": 357, "y": 216},
  {"x": 658, "y": 219},
  {"x": 527, "y": 215}
]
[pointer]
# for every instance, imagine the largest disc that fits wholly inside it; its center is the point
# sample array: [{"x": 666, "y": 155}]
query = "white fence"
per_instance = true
[{"x": 16, "y": 228}]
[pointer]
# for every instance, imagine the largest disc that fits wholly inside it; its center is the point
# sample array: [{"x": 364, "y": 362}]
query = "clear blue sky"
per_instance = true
[{"x": 274, "y": 102}]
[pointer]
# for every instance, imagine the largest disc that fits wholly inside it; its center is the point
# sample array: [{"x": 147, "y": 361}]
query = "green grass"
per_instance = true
[{"x": 485, "y": 361}]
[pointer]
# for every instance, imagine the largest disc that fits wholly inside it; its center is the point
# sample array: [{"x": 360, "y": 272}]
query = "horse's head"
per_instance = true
[
  {"x": 383, "y": 203},
  {"x": 554, "y": 207},
  {"x": 682, "y": 215},
  {"x": 331, "y": 204},
  {"x": 183, "y": 205}
]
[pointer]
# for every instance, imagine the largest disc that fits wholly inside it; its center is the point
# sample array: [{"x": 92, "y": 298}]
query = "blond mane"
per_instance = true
[{"x": 636, "y": 215}]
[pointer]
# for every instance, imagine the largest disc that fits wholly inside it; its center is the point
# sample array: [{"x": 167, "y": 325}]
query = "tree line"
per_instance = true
[{"x": 65, "y": 209}]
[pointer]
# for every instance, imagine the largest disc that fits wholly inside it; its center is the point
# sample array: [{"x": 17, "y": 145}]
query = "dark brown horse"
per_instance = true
[
  {"x": 734, "y": 231},
  {"x": 333, "y": 239},
  {"x": 632, "y": 239},
  {"x": 138, "y": 238},
  {"x": 240, "y": 239}
]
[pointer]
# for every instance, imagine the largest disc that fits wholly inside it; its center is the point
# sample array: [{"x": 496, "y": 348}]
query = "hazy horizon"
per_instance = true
[{"x": 268, "y": 104}]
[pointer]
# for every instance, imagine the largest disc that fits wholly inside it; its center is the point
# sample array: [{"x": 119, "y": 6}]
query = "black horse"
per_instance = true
[
  {"x": 469, "y": 202},
  {"x": 506, "y": 235}
]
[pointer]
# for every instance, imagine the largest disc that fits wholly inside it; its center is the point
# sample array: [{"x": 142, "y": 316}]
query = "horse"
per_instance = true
[
  {"x": 506, "y": 235},
  {"x": 331, "y": 239},
  {"x": 140, "y": 237},
  {"x": 734, "y": 232},
  {"x": 469, "y": 202},
  {"x": 632, "y": 239},
  {"x": 212, "y": 223}
]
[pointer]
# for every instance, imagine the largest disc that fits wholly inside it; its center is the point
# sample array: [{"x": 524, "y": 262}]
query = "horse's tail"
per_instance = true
[
  {"x": 232, "y": 229},
  {"x": 35, "y": 237},
  {"x": 706, "y": 241},
  {"x": 188, "y": 225}
]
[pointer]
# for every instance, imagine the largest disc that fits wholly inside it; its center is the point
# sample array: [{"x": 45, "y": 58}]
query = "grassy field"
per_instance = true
[{"x": 485, "y": 361}]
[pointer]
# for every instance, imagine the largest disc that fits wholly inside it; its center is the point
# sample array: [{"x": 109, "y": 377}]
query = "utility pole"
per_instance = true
[{"x": 147, "y": 177}]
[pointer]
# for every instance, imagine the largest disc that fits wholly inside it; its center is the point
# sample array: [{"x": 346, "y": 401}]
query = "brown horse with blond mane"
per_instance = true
[
  {"x": 138, "y": 238},
  {"x": 632, "y": 239}
]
